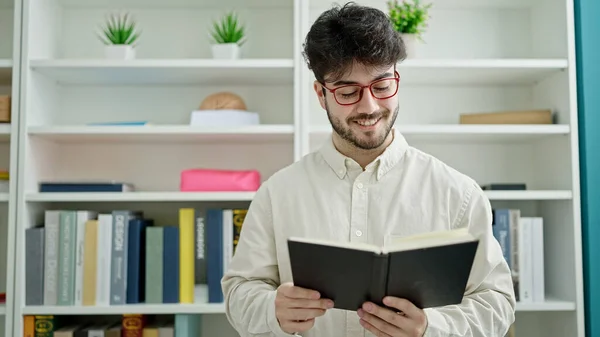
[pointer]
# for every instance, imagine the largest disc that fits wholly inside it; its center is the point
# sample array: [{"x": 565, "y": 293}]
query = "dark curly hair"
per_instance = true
[{"x": 342, "y": 36}]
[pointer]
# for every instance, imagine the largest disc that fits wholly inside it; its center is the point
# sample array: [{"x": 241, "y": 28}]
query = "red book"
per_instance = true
[
  {"x": 2, "y": 297},
  {"x": 133, "y": 325}
]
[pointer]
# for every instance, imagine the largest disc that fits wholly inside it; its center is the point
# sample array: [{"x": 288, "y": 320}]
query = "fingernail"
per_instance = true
[
  {"x": 368, "y": 307},
  {"x": 360, "y": 313},
  {"x": 330, "y": 304},
  {"x": 316, "y": 296}
]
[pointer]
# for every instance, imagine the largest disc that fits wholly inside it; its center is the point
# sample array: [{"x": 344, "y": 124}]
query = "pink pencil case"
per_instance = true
[{"x": 211, "y": 180}]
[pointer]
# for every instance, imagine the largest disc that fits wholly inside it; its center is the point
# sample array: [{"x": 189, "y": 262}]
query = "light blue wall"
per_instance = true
[{"x": 587, "y": 29}]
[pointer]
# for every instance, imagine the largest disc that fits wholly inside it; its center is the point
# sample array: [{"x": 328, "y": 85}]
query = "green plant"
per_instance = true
[
  {"x": 119, "y": 30},
  {"x": 409, "y": 17},
  {"x": 228, "y": 30}
]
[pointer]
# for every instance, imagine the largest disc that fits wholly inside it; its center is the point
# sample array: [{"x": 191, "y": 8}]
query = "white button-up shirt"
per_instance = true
[{"x": 327, "y": 195}]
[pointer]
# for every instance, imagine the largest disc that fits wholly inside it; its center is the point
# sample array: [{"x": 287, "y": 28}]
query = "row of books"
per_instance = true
[
  {"x": 522, "y": 242},
  {"x": 82, "y": 257},
  {"x": 128, "y": 325}
]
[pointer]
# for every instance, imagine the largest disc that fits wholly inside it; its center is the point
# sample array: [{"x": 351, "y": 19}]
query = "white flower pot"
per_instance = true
[
  {"x": 120, "y": 52},
  {"x": 228, "y": 51},
  {"x": 411, "y": 42}
]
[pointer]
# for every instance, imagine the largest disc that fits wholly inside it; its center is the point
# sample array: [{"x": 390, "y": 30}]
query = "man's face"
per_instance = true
[{"x": 367, "y": 123}]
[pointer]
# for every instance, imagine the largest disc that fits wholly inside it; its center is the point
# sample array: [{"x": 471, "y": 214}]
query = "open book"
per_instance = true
[{"x": 429, "y": 269}]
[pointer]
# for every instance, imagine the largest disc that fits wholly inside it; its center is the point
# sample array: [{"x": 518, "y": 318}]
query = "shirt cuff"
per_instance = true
[
  {"x": 272, "y": 318},
  {"x": 437, "y": 325}
]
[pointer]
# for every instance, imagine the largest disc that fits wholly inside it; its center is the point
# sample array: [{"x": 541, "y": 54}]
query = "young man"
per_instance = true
[{"x": 365, "y": 184}]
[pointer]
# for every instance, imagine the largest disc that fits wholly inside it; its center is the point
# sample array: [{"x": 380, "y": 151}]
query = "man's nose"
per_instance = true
[{"x": 368, "y": 103}]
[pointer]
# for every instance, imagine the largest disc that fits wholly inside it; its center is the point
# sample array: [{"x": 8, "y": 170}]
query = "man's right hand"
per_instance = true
[{"x": 296, "y": 308}]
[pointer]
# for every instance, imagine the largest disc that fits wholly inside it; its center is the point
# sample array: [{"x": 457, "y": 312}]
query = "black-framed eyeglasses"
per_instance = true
[{"x": 380, "y": 89}]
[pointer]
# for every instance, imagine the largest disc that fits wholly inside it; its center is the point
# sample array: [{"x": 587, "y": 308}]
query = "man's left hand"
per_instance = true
[{"x": 408, "y": 321}]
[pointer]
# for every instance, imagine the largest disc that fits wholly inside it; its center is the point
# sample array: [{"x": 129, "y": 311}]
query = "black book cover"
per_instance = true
[{"x": 428, "y": 275}]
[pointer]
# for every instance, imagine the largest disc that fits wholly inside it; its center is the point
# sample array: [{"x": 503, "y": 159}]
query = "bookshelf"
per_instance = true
[
  {"x": 10, "y": 30},
  {"x": 66, "y": 84}
]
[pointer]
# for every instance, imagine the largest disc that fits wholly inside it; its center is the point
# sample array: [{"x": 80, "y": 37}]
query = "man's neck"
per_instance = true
[{"x": 361, "y": 156}]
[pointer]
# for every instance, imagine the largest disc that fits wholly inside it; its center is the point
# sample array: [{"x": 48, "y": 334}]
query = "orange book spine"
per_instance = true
[
  {"x": 133, "y": 325},
  {"x": 28, "y": 326}
]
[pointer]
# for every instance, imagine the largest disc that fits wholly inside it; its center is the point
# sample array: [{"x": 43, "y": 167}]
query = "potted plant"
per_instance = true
[
  {"x": 119, "y": 36},
  {"x": 410, "y": 20},
  {"x": 228, "y": 36}
]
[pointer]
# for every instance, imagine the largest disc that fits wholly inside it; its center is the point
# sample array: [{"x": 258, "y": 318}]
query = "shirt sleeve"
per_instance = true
[
  {"x": 249, "y": 285},
  {"x": 488, "y": 306}
]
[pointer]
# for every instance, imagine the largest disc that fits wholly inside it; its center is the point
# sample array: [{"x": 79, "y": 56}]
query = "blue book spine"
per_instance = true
[
  {"x": 136, "y": 260},
  {"x": 83, "y": 187},
  {"x": 502, "y": 232},
  {"x": 214, "y": 256},
  {"x": 171, "y": 264}
]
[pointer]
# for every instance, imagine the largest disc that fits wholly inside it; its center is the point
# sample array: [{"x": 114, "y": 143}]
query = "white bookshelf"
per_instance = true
[
  {"x": 472, "y": 61},
  {"x": 10, "y": 23}
]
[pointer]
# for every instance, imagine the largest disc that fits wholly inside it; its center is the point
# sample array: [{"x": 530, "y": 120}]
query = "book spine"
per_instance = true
[
  {"x": 215, "y": 256},
  {"x": 104, "y": 259},
  {"x": 171, "y": 264},
  {"x": 34, "y": 266},
  {"x": 379, "y": 278},
  {"x": 186, "y": 255},
  {"x": 136, "y": 265},
  {"x": 133, "y": 325},
  {"x": 51, "y": 224},
  {"x": 44, "y": 325},
  {"x": 67, "y": 254},
  {"x": 81, "y": 218},
  {"x": 90, "y": 263},
  {"x": 200, "y": 250},
  {"x": 154, "y": 265}
]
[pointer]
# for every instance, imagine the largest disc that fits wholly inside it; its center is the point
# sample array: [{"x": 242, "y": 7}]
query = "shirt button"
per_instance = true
[
  {"x": 359, "y": 185},
  {"x": 358, "y": 233}
]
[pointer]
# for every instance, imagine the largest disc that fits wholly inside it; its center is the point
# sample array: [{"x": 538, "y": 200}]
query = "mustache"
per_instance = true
[{"x": 375, "y": 115}]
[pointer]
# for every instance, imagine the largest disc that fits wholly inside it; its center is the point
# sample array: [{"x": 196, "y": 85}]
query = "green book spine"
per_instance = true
[
  {"x": 154, "y": 265},
  {"x": 66, "y": 255}
]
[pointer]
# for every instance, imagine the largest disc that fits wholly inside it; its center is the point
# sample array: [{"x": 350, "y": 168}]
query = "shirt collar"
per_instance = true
[{"x": 382, "y": 164}]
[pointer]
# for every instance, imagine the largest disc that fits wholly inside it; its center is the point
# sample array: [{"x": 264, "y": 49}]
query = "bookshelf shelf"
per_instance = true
[
  {"x": 157, "y": 309},
  {"x": 166, "y": 71},
  {"x": 2, "y": 309},
  {"x": 5, "y": 71},
  {"x": 529, "y": 195},
  {"x": 479, "y": 71},
  {"x": 162, "y": 133},
  {"x": 471, "y": 133},
  {"x": 147, "y": 309},
  {"x": 548, "y": 305},
  {"x": 139, "y": 196},
  {"x": 242, "y": 196}
]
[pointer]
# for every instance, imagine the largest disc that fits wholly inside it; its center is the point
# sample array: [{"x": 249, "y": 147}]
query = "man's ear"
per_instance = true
[{"x": 319, "y": 90}]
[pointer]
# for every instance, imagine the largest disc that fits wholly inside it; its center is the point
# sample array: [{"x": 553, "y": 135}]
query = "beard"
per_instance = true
[{"x": 365, "y": 140}]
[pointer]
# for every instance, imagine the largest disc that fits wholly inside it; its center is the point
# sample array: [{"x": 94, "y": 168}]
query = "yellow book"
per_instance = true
[
  {"x": 150, "y": 332},
  {"x": 28, "y": 326},
  {"x": 90, "y": 259},
  {"x": 186, "y": 255}
]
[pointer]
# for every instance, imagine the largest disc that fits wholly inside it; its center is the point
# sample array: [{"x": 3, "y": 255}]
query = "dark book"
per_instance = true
[
  {"x": 504, "y": 187},
  {"x": 430, "y": 270}
]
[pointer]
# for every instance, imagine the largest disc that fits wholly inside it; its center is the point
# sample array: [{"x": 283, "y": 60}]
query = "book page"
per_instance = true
[{"x": 429, "y": 239}]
